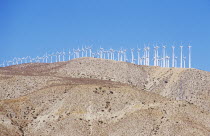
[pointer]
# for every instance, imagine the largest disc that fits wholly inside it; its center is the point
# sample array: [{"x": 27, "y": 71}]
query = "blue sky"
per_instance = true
[{"x": 33, "y": 27}]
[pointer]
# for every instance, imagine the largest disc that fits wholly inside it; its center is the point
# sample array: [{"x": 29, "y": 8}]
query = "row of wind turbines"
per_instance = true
[{"x": 156, "y": 56}]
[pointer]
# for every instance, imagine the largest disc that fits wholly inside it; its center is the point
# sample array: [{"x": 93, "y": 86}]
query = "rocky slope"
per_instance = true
[{"x": 89, "y": 96}]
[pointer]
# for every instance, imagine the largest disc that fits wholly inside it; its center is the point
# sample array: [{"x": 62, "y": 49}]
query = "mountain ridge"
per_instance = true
[{"x": 90, "y": 96}]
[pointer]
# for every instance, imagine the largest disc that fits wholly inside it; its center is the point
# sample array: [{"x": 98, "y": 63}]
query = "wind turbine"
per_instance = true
[
  {"x": 145, "y": 56},
  {"x": 156, "y": 56},
  {"x": 175, "y": 61},
  {"x": 181, "y": 57},
  {"x": 101, "y": 52},
  {"x": 24, "y": 58},
  {"x": 69, "y": 53},
  {"x": 108, "y": 54},
  {"x": 63, "y": 54},
  {"x": 118, "y": 55},
  {"x": 148, "y": 56},
  {"x": 30, "y": 59},
  {"x": 124, "y": 53},
  {"x": 15, "y": 61},
  {"x": 56, "y": 57},
  {"x": 112, "y": 53},
  {"x": 37, "y": 59},
  {"x": 20, "y": 59},
  {"x": 78, "y": 53},
  {"x": 90, "y": 49},
  {"x": 164, "y": 56},
  {"x": 138, "y": 52},
  {"x": 83, "y": 50},
  {"x": 51, "y": 59},
  {"x": 104, "y": 54},
  {"x": 189, "y": 55},
  {"x": 74, "y": 52},
  {"x": 132, "y": 56},
  {"x": 86, "y": 51},
  {"x": 45, "y": 57},
  {"x": 167, "y": 61},
  {"x": 3, "y": 64},
  {"x": 184, "y": 61},
  {"x": 27, "y": 59},
  {"x": 173, "y": 56}
]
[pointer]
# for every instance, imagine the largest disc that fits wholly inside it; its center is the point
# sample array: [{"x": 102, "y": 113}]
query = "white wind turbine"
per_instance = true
[
  {"x": 37, "y": 59},
  {"x": 167, "y": 61},
  {"x": 101, "y": 52},
  {"x": 63, "y": 55},
  {"x": 27, "y": 58},
  {"x": 108, "y": 54},
  {"x": 30, "y": 59},
  {"x": 124, "y": 54},
  {"x": 184, "y": 62},
  {"x": 138, "y": 55},
  {"x": 86, "y": 51},
  {"x": 132, "y": 56},
  {"x": 24, "y": 59},
  {"x": 74, "y": 53},
  {"x": 15, "y": 61},
  {"x": 46, "y": 57},
  {"x": 78, "y": 53},
  {"x": 3, "y": 64},
  {"x": 118, "y": 55},
  {"x": 148, "y": 56},
  {"x": 56, "y": 57},
  {"x": 20, "y": 59},
  {"x": 104, "y": 54},
  {"x": 175, "y": 61},
  {"x": 173, "y": 56},
  {"x": 190, "y": 56},
  {"x": 181, "y": 57},
  {"x": 156, "y": 56},
  {"x": 51, "y": 59},
  {"x": 164, "y": 56},
  {"x": 82, "y": 50},
  {"x": 112, "y": 53},
  {"x": 90, "y": 50},
  {"x": 145, "y": 56},
  {"x": 121, "y": 55},
  {"x": 69, "y": 54}
]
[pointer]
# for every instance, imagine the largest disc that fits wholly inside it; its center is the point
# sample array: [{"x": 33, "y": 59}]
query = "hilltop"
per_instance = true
[{"x": 90, "y": 96}]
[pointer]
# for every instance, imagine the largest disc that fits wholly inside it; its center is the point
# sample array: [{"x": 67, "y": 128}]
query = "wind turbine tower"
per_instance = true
[
  {"x": 125, "y": 58},
  {"x": 148, "y": 56},
  {"x": 184, "y": 60},
  {"x": 69, "y": 53},
  {"x": 90, "y": 51},
  {"x": 155, "y": 57},
  {"x": 181, "y": 59},
  {"x": 175, "y": 61},
  {"x": 164, "y": 56},
  {"x": 132, "y": 56},
  {"x": 173, "y": 56},
  {"x": 138, "y": 51},
  {"x": 189, "y": 55}
]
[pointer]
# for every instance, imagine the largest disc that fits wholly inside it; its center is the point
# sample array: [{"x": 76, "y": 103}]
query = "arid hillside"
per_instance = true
[{"x": 97, "y": 97}]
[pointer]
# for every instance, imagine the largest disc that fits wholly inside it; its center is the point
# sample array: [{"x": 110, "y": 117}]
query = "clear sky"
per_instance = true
[{"x": 33, "y": 27}]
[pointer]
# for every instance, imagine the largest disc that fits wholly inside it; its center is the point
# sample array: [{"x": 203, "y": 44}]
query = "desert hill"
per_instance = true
[{"x": 98, "y": 97}]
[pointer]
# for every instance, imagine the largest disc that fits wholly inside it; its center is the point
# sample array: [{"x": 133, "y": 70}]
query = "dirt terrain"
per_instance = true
[{"x": 97, "y": 97}]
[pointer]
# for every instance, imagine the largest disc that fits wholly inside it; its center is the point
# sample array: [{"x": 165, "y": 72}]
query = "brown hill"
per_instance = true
[{"x": 89, "y": 96}]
